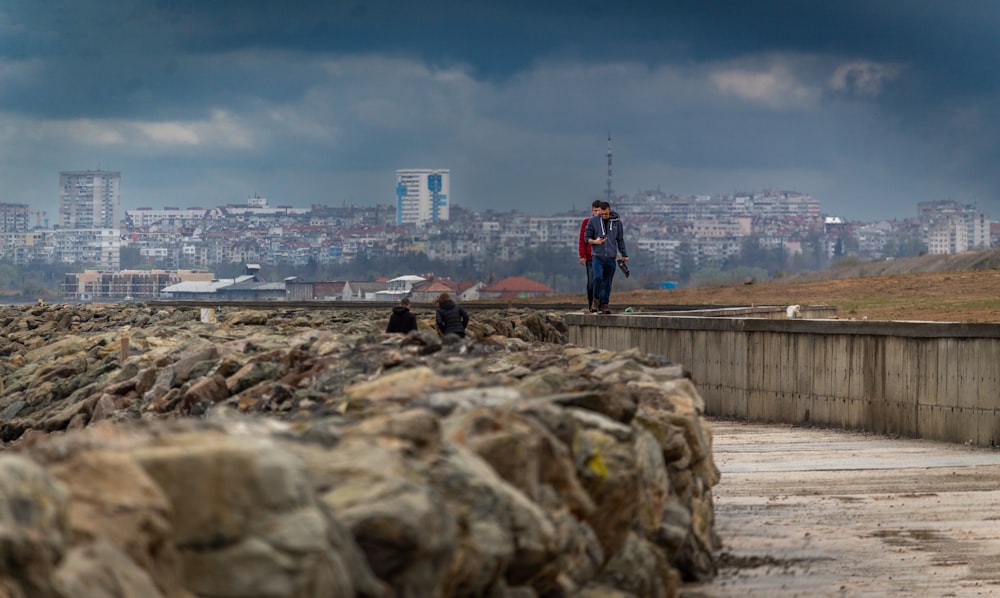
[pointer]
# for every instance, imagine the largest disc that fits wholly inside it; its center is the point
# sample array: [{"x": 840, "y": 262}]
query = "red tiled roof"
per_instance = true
[
  {"x": 465, "y": 285},
  {"x": 438, "y": 285}
]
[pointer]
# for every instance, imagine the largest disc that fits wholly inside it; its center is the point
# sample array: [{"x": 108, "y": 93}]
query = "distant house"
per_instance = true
[
  {"x": 332, "y": 290},
  {"x": 299, "y": 290},
  {"x": 468, "y": 290},
  {"x": 428, "y": 290},
  {"x": 366, "y": 291},
  {"x": 515, "y": 287},
  {"x": 202, "y": 290},
  {"x": 398, "y": 288},
  {"x": 252, "y": 290}
]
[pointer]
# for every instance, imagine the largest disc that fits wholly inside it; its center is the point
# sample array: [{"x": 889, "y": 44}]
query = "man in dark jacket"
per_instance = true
[
  {"x": 401, "y": 319},
  {"x": 606, "y": 236},
  {"x": 450, "y": 318}
]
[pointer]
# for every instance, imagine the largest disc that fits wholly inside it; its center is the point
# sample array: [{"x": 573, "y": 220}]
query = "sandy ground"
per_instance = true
[
  {"x": 816, "y": 512},
  {"x": 958, "y": 296},
  {"x": 964, "y": 296}
]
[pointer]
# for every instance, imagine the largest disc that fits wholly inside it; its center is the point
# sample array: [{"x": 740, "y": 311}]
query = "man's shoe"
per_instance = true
[
  {"x": 595, "y": 306},
  {"x": 604, "y": 309}
]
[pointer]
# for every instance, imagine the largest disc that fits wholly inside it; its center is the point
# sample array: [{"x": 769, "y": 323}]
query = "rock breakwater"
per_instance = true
[{"x": 291, "y": 453}]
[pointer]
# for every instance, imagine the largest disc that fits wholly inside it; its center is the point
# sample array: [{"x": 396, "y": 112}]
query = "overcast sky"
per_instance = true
[{"x": 869, "y": 106}]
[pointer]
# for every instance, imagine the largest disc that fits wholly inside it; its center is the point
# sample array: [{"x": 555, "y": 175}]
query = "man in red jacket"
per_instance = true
[{"x": 586, "y": 256}]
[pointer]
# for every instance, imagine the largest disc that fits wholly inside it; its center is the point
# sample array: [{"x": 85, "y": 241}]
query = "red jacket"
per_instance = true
[{"x": 585, "y": 249}]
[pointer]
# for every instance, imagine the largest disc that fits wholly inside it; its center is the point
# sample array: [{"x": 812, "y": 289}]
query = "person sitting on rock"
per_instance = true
[
  {"x": 450, "y": 318},
  {"x": 402, "y": 320}
]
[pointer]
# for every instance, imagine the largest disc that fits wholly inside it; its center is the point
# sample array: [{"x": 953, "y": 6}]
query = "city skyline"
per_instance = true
[
  {"x": 868, "y": 106},
  {"x": 90, "y": 199},
  {"x": 676, "y": 236},
  {"x": 111, "y": 210}
]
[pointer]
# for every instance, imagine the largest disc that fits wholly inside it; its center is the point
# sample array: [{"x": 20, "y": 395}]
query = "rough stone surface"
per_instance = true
[
  {"x": 286, "y": 453},
  {"x": 33, "y": 527}
]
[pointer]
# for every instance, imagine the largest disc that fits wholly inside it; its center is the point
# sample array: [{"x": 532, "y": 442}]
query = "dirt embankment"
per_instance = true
[{"x": 962, "y": 287}]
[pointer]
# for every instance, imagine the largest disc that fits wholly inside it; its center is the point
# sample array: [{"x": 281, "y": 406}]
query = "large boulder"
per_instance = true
[{"x": 34, "y": 528}]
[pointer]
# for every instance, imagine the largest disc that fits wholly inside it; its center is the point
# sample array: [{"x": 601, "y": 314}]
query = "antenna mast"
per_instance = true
[{"x": 608, "y": 190}]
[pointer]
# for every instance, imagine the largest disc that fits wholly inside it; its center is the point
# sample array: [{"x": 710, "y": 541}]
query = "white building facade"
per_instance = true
[
  {"x": 95, "y": 247},
  {"x": 422, "y": 195},
  {"x": 166, "y": 218}
]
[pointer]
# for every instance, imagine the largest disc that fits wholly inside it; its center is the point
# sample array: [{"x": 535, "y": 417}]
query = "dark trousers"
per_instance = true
[
  {"x": 604, "y": 273},
  {"x": 590, "y": 283}
]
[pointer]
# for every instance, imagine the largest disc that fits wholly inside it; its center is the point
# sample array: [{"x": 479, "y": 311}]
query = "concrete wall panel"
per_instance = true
[
  {"x": 986, "y": 354},
  {"x": 927, "y": 362},
  {"x": 966, "y": 380},
  {"x": 947, "y": 373},
  {"x": 930, "y": 380},
  {"x": 988, "y": 428}
]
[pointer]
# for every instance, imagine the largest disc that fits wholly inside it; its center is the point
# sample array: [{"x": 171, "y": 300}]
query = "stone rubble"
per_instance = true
[{"x": 286, "y": 453}]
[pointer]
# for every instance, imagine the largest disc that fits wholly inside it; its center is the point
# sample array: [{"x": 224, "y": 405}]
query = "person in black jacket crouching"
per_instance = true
[
  {"x": 451, "y": 318},
  {"x": 402, "y": 320}
]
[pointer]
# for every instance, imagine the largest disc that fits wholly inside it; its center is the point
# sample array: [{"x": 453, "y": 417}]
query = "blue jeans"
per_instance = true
[
  {"x": 604, "y": 273},
  {"x": 590, "y": 282}
]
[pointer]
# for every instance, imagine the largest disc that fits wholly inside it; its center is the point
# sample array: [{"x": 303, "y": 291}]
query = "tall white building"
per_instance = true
[
  {"x": 422, "y": 195},
  {"x": 89, "y": 199}
]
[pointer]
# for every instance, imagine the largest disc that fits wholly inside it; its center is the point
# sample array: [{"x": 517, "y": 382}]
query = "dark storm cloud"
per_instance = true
[
  {"x": 128, "y": 52},
  {"x": 861, "y": 103},
  {"x": 123, "y": 58},
  {"x": 134, "y": 44}
]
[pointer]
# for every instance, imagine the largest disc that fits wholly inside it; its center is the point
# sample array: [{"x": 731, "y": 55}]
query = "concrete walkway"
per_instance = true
[{"x": 816, "y": 512}]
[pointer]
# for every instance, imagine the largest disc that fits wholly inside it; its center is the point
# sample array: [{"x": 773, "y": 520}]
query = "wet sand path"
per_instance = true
[{"x": 817, "y": 512}]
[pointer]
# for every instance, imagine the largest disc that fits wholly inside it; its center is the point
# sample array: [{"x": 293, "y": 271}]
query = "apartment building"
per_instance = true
[
  {"x": 15, "y": 217},
  {"x": 785, "y": 203},
  {"x": 99, "y": 247},
  {"x": 422, "y": 195},
  {"x": 165, "y": 219},
  {"x": 947, "y": 235},
  {"x": 89, "y": 199},
  {"x": 952, "y": 228},
  {"x": 138, "y": 284},
  {"x": 665, "y": 253},
  {"x": 556, "y": 231},
  {"x": 719, "y": 228}
]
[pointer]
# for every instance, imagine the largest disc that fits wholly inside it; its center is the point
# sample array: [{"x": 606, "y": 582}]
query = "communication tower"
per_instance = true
[{"x": 607, "y": 191}]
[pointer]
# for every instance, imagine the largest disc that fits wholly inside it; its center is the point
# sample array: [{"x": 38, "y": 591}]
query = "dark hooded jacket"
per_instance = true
[
  {"x": 451, "y": 318},
  {"x": 401, "y": 320},
  {"x": 615, "y": 233}
]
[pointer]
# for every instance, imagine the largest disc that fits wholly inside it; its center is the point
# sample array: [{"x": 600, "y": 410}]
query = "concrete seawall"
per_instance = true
[{"x": 918, "y": 379}]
